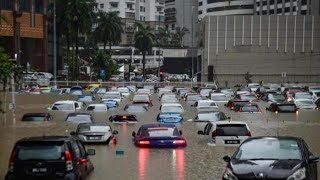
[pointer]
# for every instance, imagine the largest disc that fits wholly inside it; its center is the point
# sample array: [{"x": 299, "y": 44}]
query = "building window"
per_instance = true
[
  {"x": 303, "y": 12},
  {"x": 173, "y": 26},
  {"x": 24, "y": 5},
  {"x": 200, "y": 3},
  {"x": 271, "y": 11},
  {"x": 258, "y": 4},
  {"x": 129, "y": 6},
  {"x": 271, "y": 2},
  {"x": 6, "y": 4},
  {"x": 279, "y": 1},
  {"x": 101, "y": 6},
  {"x": 38, "y": 6},
  {"x": 114, "y": 4},
  {"x": 159, "y": 9},
  {"x": 167, "y": 27},
  {"x": 303, "y": 2},
  {"x": 199, "y": 12},
  {"x": 279, "y": 11}
]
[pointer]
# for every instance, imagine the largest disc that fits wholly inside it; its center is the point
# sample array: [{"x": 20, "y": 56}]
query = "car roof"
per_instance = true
[
  {"x": 217, "y": 94},
  {"x": 36, "y": 114},
  {"x": 78, "y": 113},
  {"x": 96, "y": 105},
  {"x": 94, "y": 123},
  {"x": 45, "y": 138},
  {"x": 275, "y": 137},
  {"x": 229, "y": 122},
  {"x": 65, "y": 102},
  {"x": 206, "y": 100},
  {"x": 157, "y": 125},
  {"x": 171, "y": 104}
]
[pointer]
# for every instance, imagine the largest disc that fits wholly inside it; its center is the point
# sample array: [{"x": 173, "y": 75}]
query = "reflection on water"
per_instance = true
[
  {"x": 178, "y": 162},
  {"x": 143, "y": 160}
]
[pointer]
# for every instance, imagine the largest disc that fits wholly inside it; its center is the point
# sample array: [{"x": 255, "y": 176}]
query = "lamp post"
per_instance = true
[
  {"x": 54, "y": 45},
  {"x": 192, "y": 71}
]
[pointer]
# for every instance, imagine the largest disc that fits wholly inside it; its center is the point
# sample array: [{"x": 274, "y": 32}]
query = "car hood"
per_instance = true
[
  {"x": 269, "y": 168},
  {"x": 167, "y": 114}
]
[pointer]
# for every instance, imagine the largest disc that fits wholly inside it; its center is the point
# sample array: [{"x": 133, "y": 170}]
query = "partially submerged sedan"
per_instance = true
[
  {"x": 169, "y": 117},
  {"x": 123, "y": 118},
  {"x": 94, "y": 133},
  {"x": 78, "y": 118},
  {"x": 159, "y": 136},
  {"x": 36, "y": 117}
]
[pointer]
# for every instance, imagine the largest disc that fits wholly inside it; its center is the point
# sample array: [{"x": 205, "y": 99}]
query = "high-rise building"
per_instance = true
[
  {"x": 287, "y": 7},
  {"x": 182, "y": 13},
  {"x": 225, "y": 7}
]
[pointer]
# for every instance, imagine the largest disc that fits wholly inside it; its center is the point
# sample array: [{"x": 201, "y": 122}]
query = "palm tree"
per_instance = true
[
  {"x": 180, "y": 32},
  {"x": 144, "y": 39},
  {"x": 163, "y": 36},
  {"x": 109, "y": 28}
]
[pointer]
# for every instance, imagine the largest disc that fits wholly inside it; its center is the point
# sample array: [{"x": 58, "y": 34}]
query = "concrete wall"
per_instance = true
[{"x": 264, "y": 46}]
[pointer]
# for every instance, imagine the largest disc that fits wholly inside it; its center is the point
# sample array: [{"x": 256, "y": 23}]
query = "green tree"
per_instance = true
[
  {"x": 109, "y": 28},
  {"x": 144, "y": 39},
  {"x": 163, "y": 37},
  {"x": 177, "y": 37},
  {"x": 76, "y": 17},
  {"x": 6, "y": 68},
  {"x": 248, "y": 77},
  {"x": 102, "y": 61}
]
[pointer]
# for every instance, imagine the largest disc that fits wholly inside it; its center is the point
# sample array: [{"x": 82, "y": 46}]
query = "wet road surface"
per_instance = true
[{"x": 196, "y": 161}]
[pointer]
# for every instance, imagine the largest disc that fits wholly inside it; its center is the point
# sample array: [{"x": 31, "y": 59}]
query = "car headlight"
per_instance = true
[
  {"x": 229, "y": 175},
  {"x": 300, "y": 174}
]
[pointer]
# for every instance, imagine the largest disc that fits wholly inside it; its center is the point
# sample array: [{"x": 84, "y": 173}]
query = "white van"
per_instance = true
[{"x": 225, "y": 133}]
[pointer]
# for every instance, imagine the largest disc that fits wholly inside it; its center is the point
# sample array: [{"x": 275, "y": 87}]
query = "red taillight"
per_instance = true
[
  {"x": 69, "y": 164},
  {"x": 249, "y": 133},
  {"x": 179, "y": 142},
  {"x": 11, "y": 162},
  {"x": 143, "y": 142},
  {"x": 83, "y": 161},
  {"x": 214, "y": 134}
]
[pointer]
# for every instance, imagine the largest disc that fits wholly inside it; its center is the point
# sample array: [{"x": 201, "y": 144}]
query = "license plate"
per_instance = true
[
  {"x": 232, "y": 141},
  {"x": 94, "y": 138},
  {"x": 39, "y": 170}
]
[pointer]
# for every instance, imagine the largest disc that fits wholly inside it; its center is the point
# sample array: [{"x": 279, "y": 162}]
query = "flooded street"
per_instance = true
[{"x": 196, "y": 161}]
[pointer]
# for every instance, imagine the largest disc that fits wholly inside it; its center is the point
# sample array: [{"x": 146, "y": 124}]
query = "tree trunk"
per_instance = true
[
  {"x": 144, "y": 65},
  {"x": 110, "y": 44},
  {"x": 77, "y": 54},
  {"x": 104, "y": 46}
]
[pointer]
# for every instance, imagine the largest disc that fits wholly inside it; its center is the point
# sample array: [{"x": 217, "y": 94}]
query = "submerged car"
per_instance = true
[
  {"x": 123, "y": 118},
  {"x": 78, "y": 118},
  {"x": 159, "y": 136},
  {"x": 282, "y": 107},
  {"x": 94, "y": 133},
  {"x": 36, "y": 117},
  {"x": 305, "y": 104},
  {"x": 287, "y": 158},
  {"x": 136, "y": 108},
  {"x": 49, "y": 157},
  {"x": 109, "y": 103},
  {"x": 169, "y": 117}
]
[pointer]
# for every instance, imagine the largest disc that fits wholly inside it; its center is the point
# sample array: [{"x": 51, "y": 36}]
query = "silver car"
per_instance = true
[{"x": 94, "y": 133}]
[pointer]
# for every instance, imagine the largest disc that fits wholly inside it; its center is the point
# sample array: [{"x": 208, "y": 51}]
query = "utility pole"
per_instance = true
[
  {"x": 54, "y": 45},
  {"x": 192, "y": 48},
  {"x": 159, "y": 60}
]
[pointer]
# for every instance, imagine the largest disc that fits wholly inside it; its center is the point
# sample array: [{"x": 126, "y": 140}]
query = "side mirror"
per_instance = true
[
  {"x": 180, "y": 132},
  {"x": 200, "y": 133},
  {"x": 115, "y": 132},
  {"x": 226, "y": 158},
  {"x": 134, "y": 134},
  {"x": 313, "y": 159},
  {"x": 91, "y": 152},
  {"x": 73, "y": 133}
]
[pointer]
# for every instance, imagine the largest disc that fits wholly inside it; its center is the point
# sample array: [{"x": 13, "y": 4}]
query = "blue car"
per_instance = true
[
  {"x": 110, "y": 103},
  {"x": 159, "y": 136},
  {"x": 169, "y": 117}
]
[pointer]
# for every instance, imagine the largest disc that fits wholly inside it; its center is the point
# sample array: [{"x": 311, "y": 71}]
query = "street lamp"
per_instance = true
[
  {"x": 192, "y": 48},
  {"x": 54, "y": 45}
]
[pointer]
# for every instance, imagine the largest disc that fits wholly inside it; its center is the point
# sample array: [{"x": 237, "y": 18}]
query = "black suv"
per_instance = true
[{"x": 49, "y": 157}]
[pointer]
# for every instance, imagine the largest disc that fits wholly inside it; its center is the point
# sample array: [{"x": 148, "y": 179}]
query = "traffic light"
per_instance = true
[{"x": 161, "y": 75}]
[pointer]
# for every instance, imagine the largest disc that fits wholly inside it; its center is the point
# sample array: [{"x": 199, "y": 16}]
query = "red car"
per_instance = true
[
  {"x": 248, "y": 108},
  {"x": 233, "y": 102}
]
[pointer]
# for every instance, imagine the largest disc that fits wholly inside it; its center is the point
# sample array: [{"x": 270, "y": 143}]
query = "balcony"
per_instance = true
[{"x": 130, "y": 1}]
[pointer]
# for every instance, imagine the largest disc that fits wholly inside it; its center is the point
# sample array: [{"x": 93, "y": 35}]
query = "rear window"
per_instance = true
[
  {"x": 287, "y": 107},
  {"x": 161, "y": 132},
  {"x": 232, "y": 130},
  {"x": 249, "y": 109},
  {"x": 40, "y": 151},
  {"x": 34, "y": 118}
]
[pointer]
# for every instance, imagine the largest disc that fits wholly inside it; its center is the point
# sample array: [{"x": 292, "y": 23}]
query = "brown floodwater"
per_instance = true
[{"x": 197, "y": 161}]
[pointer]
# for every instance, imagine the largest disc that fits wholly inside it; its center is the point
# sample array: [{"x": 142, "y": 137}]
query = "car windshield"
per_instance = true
[
  {"x": 305, "y": 102},
  {"x": 231, "y": 130},
  {"x": 161, "y": 132},
  {"x": 303, "y": 96},
  {"x": 124, "y": 90},
  {"x": 63, "y": 107},
  {"x": 269, "y": 148},
  {"x": 111, "y": 96},
  {"x": 140, "y": 98},
  {"x": 79, "y": 118},
  {"x": 206, "y": 103},
  {"x": 40, "y": 151},
  {"x": 177, "y": 109},
  {"x": 248, "y": 97},
  {"x": 136, "y": 108},
  {"x": 169, "y": 98},
  {"x": 250, "y": 109},
  {"x": 277, "y": 97},
  {"x": 34, "y": 118},
  {"x": 287, "y": 107},
  {"x": 219, "y": 98},
  {"x": 210, "y": 116},
  {"x": 194, "y": 97},
  {"x": 93, "y": 128},
  {"x": 55, "y": 91},
  {"x": 85, "y": 98}
]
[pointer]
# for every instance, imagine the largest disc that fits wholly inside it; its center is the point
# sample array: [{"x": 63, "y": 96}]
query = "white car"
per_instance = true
[
  {"x": 225, "y": 133},
  {"x": 219, "y": 97},
  {"x": 305, "y": 104},
  {"x": 205, "y": 92},
  {"x": 172, "y": 107},
  {"x": 97, "y": 108},
  {"x": 71, "y": 106},
  {"x": 143, "y": 91},
  {"x": 302, "y": 95},
  {"x": 253, "y": 86},
  {"x": 163, "y": 90},
  {"x": 169, "y": 98},
  {"x": 206, "y": 105},
  {"x": 112, "y": 95},
  {"x": 315, "y": 95},
  {"x": 124, "y": 91}
]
